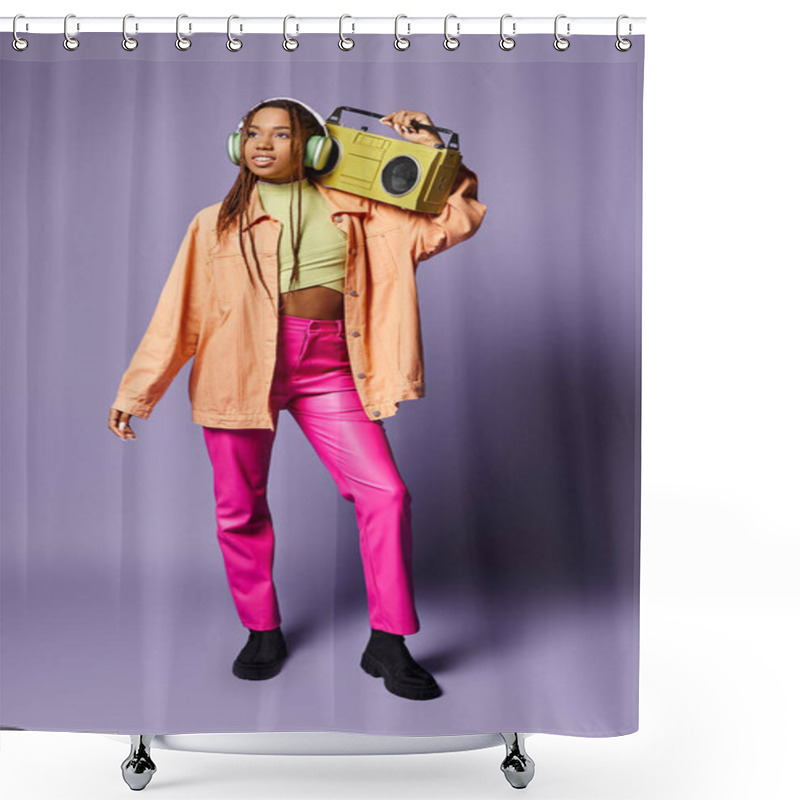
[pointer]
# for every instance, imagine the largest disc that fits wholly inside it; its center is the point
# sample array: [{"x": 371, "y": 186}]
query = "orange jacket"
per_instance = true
[{"x": 209, "y": 309}]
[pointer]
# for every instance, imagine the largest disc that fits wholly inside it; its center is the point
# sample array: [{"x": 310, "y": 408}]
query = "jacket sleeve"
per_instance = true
[
  {"x": 172, "y": 334},
  {"x": 458, "y": 220}
]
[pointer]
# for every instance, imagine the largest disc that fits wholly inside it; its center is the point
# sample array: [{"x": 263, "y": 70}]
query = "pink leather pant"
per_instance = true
[{"x": 314, "y": 381}]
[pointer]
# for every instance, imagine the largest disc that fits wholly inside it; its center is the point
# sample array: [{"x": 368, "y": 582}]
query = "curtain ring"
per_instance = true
[
  {"x": 182, "y": 43},
  {"x": 399, "y": 42},
  {"x": 233, "y": 44},
  {"x": 560, "y": 43},
  {"x": 345, "y": 43},
  {"x": 623, "y": 45},
  {"x": 70, "y": 42},
  {"x": 288, "y": 42},
  {"x": 128, "y": 42},
  {"x": 451, "y": 42},
  {"x": 18, "y": 43},
  {"x": 506, "y": 42}
]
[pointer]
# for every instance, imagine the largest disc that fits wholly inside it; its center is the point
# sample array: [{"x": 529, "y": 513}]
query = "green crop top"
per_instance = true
[{"x": 323, "y": 247}]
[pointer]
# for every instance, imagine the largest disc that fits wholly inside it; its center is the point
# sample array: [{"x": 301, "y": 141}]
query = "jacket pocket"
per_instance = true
[{"x": 228, "y": 276}]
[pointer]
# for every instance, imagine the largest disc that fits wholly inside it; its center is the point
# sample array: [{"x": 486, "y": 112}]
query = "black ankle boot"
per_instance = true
[
  {"x": 262, "y": 656},
  {"x": 387, "y": 656}
]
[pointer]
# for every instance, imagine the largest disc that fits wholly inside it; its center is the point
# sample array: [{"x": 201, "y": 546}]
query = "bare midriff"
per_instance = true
[{"x": 315, "y": 302}]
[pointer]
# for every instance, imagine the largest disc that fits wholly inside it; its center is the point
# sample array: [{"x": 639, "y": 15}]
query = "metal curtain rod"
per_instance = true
[{"x": 407, "y": 26}]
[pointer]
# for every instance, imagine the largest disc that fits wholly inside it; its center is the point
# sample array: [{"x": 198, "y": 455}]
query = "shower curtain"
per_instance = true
[{"x": 520, "y": 452}]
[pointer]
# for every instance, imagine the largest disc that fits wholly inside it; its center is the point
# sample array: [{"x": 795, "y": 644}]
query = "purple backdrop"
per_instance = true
[{"x": 523, "y": 461}]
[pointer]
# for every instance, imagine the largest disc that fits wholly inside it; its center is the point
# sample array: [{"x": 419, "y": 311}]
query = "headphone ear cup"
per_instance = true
[
  {"x": 318, "y": 150},
  {"x": 233, "y": 147}
]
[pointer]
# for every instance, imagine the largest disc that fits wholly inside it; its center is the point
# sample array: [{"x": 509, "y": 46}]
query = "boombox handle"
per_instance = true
[{"x": 336, "y": 115}]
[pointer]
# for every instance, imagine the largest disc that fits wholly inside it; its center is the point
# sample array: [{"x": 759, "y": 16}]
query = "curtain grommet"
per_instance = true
[
  {"x": 233, "y": 44},
  {"x": 181, "y": 42},
  {"x": 289, "y": 44},
  {"x": 623, "y": 45},
  {"x": 18, "y": 43},
  {"x": 345, "y": 43},
  {"x": 560, "y": 43},
  {"x": 401, "y": 43},
  {"x": 129, "y": 43},
  {"x": 507, "y": 42},
  {"x": 451, "y": 42},
  {"x": 70, "y": 42}
]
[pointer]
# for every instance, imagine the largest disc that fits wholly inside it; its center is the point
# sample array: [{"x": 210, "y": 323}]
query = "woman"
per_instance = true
[{"x": 290, "y": 294}]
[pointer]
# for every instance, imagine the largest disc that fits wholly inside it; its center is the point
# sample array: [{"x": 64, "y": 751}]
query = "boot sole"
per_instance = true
[
  {"x": 372, "y": 667},
  {"x": 257, "y": 672}
]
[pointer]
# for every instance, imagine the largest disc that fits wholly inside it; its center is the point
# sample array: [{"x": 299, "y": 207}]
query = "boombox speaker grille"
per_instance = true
[{"x": 400, "y": 175}]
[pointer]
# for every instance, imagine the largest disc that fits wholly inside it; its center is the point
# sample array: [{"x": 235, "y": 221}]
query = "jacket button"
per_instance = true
[
  {"x": 361, "y": 375},
  {"x": 355, "y": 333},
  {"x": 354, "y": 292},
  {"x": 337, "y": 218},
  {"x": 376, "y": 413}
]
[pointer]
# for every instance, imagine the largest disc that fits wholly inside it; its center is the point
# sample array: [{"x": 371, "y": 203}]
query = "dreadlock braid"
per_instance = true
[{"x": 235, "y": 207}]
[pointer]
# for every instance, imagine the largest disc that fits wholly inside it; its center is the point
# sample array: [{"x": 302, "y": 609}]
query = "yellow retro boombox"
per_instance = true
[
  {"x": 399, "y": 172},
  {"x": 395, "y": 171}
]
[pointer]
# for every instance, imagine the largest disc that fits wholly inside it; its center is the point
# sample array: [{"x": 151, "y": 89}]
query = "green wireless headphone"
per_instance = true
[{"x": 318, "y": 148}]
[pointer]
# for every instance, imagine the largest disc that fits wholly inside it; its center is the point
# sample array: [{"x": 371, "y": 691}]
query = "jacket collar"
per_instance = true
[{"x": 339, "y": 201}]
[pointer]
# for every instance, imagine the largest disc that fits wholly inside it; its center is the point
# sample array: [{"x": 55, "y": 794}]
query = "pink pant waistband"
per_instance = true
[{"x": 303, "y": 324}]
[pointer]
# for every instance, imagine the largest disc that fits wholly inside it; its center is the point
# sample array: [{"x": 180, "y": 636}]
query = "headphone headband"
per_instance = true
[{"x": 294, "y": 99}]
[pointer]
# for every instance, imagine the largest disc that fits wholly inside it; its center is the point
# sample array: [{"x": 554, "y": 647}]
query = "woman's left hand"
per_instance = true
[{"x": 401, "y": 120}]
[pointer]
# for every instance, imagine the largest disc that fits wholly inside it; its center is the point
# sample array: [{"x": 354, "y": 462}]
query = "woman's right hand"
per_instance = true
[{"x": 118, "y": 423}]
